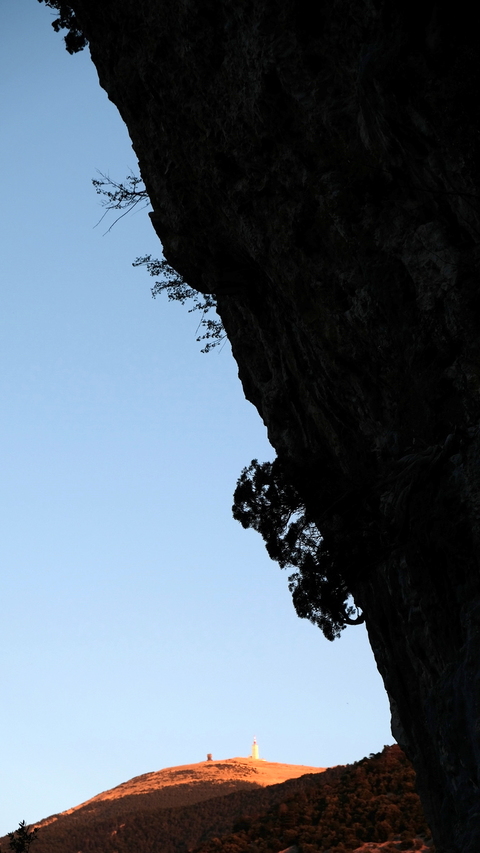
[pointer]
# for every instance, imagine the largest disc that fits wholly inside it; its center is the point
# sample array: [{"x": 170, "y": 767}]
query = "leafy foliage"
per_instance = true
[
  {"x": 266, "y": 500},
  {"x": 125, "y": 197},
  {"x": 179, "y": 291},
  {"x": 22, "y": 838},
  {"x": 120, "y": 196},
  {"x": 75, "y": 39}
]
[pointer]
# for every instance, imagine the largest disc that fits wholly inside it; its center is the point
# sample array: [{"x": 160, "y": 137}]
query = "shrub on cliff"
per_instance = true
[
  {"x": 266, "y": 500},
  {"x": 75, "y": 39}
]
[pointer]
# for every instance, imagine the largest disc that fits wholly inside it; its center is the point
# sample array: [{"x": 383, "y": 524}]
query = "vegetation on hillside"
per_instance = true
[
  {"x": 372, "y": 801},
  {"x": 336, "y": 811}
]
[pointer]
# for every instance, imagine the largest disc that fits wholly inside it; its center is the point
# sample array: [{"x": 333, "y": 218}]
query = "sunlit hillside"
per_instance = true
[{"x": 239, "y": 805}]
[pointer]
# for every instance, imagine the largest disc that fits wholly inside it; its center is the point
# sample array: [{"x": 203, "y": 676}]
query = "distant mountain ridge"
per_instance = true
[
  {"x": 188, "y": 784},
  {"x": 239, "y": 805}
]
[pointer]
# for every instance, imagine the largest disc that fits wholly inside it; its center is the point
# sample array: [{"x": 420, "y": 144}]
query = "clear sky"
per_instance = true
[{"x": 141, "y": 626}]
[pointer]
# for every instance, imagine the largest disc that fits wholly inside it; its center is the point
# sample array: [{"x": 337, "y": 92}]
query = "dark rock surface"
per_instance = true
[{"x": 317, "y": 171}]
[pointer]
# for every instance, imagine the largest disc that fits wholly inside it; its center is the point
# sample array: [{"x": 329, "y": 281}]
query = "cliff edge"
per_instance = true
[{"x": 316, "y": 169}]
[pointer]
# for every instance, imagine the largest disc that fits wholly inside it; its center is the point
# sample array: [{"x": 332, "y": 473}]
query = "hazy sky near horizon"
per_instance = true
[{"x": 141, "y": 626}]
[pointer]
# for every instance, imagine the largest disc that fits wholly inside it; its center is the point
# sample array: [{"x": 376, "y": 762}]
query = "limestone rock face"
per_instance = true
[{"x": 318, "y": 171}]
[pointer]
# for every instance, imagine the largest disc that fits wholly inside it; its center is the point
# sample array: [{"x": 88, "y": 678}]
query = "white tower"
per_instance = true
[{"x": 255, "y": 749}]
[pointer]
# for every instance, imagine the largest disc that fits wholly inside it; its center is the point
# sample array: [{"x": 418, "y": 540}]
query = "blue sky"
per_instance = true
[{"x": 141, "y": 626}]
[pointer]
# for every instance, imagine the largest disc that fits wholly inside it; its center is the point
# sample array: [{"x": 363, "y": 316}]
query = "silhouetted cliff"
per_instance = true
[{"x": 315, "y": 166}]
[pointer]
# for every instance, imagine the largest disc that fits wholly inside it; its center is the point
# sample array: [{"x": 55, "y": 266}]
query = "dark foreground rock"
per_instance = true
[{"x": 315, "y": 166}]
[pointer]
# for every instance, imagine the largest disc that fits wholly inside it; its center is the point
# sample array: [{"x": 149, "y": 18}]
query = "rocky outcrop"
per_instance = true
[{"x": 317, "y": 171}]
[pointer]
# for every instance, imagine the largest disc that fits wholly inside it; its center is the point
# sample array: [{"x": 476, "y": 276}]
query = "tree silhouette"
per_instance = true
[
  {"x": 266, "y": 500},
  {"x": 22, "y": 838},
  {"x": 75, "y": 39},
  {"x": 122, "y": 196}
]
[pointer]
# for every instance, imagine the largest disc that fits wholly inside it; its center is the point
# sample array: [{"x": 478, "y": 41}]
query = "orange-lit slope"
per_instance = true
[{"x": 191, "y": 783}]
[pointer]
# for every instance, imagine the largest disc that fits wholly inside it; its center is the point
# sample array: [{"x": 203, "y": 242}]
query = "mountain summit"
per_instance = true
[
  {"x": 241, "y": 804},
  {"x": 192, "y": 783}
]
